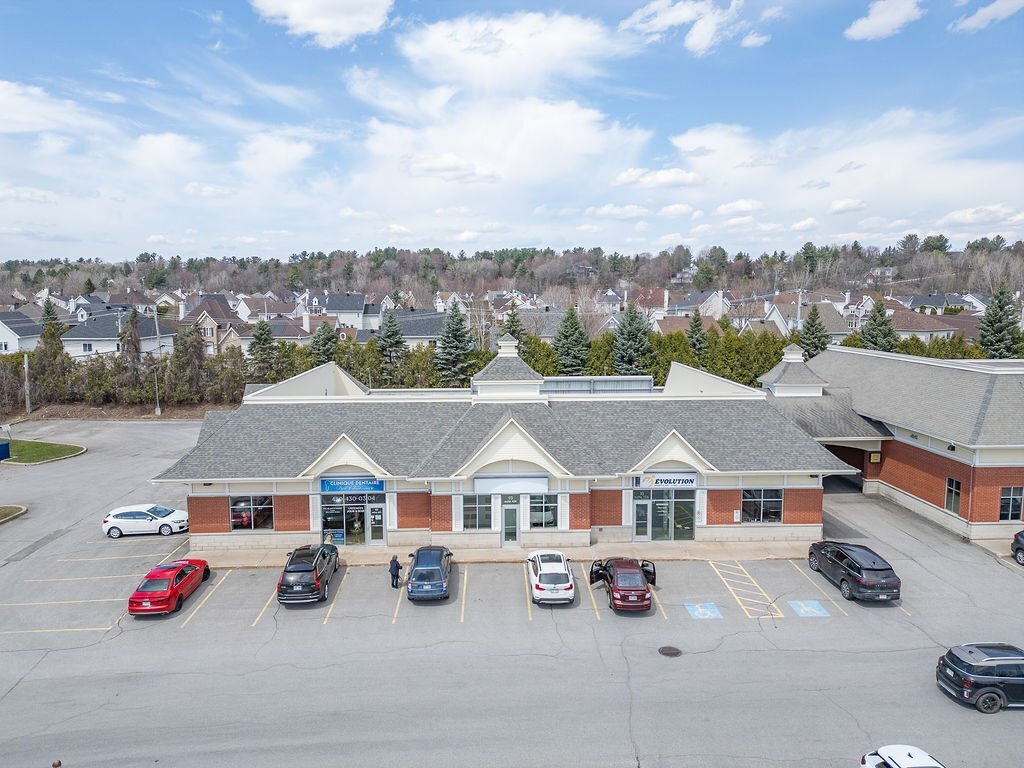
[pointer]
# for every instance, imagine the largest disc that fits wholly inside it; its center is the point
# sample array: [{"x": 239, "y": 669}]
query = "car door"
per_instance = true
[
  {"x": 148, "y": 523},
  {"x": 827, "y": 561},
  {"x": 178, "y": 585},
  {"x": 534, "y": 572},
  {"x": 447, "y": 562},
  {"x": 649, "y": 571},
  {"x": 192, "y": 577},
  {"x": 597, "y": 572},
  {"x": 1013, "y": 686}
]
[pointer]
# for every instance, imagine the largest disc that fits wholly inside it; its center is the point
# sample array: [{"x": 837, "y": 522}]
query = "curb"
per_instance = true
[
  {"x": 16, "y": 515},
  {"x": 9, "y": 463}
]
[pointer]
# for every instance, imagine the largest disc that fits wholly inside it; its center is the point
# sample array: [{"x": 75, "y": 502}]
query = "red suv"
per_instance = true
[{"x": 627, "y": 581}]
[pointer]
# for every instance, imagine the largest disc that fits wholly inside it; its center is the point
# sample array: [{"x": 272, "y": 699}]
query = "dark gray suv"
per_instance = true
[
  {"x": 988, "y": 675},
  {"x": 1018, "y": 547},
  {"x": 307, "y": 574},
  {"x": 859, "y": 572}
]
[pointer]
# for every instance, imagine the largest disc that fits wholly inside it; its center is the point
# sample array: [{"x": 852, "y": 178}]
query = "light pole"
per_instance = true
[{"x": 156, "y": 386}]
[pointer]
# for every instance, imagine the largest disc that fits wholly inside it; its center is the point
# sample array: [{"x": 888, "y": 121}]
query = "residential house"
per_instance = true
[
  {"x": 681, "y": 324},
  {"x": 711, "y": 303},
  {"x": 420, "y": 328},
  {"x": 976, "y": 302},
  {"x": 443, "y": 302},
  {"x": 925, "y": 327},
  {"x": 791, "y": 317},
  {"x": 346, "y": 308},
  {"x": 214, "y": 318},
  {"x": 135, "y": 299},
  {"x": 610, "y": 302},
  {"x": 252, "y": 309},
  {"x": 18, "y": 333},
  {"x": 281, "y": 329},
  {"x": 100, "y": 334},
  {"x": 879, "y": 275}
]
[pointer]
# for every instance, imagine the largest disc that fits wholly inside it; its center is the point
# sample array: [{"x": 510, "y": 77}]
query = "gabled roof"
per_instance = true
[
  {"x": 510, "y": 368},
  {"x": 20, "y": 324},
  {"x": 415, "y": 323},
  {"x": 834, "y": 322},
  {"x": 104, "y": 326},
  {"x": 280, "y": 328},
  {"x": 905, "y": 320},
  {"x": 216, "y": 306},
  {"x": 339, "y": 302},
  {"x": 830, "y": 416},
  {"x": 792, "y": 374}
]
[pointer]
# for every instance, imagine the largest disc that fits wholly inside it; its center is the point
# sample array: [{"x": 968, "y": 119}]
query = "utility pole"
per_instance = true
[
  {"x": 799, "y": 300},
  {"x": 28, "y": 397},
  {"x": 156, "y": 382}
]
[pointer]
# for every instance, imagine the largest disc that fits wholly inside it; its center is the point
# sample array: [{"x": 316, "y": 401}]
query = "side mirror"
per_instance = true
[{"x": 412, "y": 554}]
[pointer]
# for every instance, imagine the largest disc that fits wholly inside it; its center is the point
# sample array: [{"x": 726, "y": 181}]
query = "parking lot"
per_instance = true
[{"x": 774, "y": 667}]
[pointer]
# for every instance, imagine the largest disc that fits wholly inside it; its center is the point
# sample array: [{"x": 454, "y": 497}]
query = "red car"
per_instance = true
[
  {"x": 165, "y": 587},
  {"x": 626, "y": 582}
]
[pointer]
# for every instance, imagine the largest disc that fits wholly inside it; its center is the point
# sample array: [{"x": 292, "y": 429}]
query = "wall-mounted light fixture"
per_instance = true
[{"x": 950, "y": 447}]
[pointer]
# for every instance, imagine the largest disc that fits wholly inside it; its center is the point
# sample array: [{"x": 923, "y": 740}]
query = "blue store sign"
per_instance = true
[{"x": 350, "y": 485}]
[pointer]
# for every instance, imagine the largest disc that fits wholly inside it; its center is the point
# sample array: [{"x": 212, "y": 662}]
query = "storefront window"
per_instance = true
[
  {"x": 250, "y": 513},
  {"x": 762, "y": 505},
  {"x": 476, "y": 512},
  {"x": 1011, "y": 500},
  {"x": 671, "y": 515},
  {"x": 544, "y": 511}
]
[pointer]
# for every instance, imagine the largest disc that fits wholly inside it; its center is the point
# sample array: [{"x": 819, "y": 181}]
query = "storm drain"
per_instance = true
[{"x": 670, "y": 650}]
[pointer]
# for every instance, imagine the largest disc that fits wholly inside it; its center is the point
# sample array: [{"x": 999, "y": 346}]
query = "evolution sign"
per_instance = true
[{"x": 674, "y": 480}]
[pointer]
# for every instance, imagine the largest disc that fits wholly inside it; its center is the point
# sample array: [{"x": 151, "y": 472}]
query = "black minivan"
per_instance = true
[
  {"x": 307, "y": 574},
  {"x": 859, "y": 572}
]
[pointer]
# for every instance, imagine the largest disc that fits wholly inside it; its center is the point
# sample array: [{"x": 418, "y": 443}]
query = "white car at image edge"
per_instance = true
[
  {"x": 550, "y": 577},
  {"x": 900, "y": 756},
  {"x": 144, "y": 518}
]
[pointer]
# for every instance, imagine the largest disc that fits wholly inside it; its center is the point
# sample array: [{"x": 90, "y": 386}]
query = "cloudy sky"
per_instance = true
[{"x": 272, "y": 126}]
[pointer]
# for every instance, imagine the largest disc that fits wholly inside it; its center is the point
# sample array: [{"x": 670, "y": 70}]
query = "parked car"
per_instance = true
[
  {"x": 627, "y": 581},
  {"x": 429, "y": 573},
  {"x": 988, "y": 675},
  {"x": 859, "y": 572},
  {"x": 144, "y": 518},
  {"x": 306, "y": 577},
  {"x": 900, "y": 756},
  {"x": 167, "y": 586},
  {"x": 1018, "y": 547},
  {"x": 550, "y": 577}
]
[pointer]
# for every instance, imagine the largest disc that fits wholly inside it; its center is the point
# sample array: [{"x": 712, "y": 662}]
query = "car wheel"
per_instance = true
[
  {"x": 177, "y": 605},
  {"x": 845, "y": 591},
  {"x": 114, "y": 532},
  {"x": 812, "y": 562},
  {"x": 206, "y": 573},
  {"x": 989, "y": 703},
  {"x": 165, "y": 530},
  {"x": 1019, "y": 557}
]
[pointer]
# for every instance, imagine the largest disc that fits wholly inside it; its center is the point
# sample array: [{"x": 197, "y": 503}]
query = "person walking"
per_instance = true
[{"x": 394, "y": 568}]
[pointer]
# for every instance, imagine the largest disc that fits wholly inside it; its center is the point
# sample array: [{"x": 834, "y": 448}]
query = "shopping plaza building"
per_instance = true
[{"x": 517, "y": 459}]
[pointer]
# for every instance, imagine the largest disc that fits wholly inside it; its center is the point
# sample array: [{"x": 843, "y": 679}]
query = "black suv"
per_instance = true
[
  {"x": 1018, "y": 547},
  {"x": 307, "y": 574},
  {"x": 988, "y": 675},
  {"x": 859, "y": 572}
]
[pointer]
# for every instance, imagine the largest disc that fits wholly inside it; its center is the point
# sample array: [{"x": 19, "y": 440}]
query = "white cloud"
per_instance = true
[
  {"x": 773, "y": 13},
  {"x": 641, "y": 226},
  {"x": 847, "y": 167},
  {"x": 404, "y": 101},
  {"x": 164, "y": 153},
  {"x": 885, "y": 18},
  {"x": 993, "y": 13},
  {"x": 208, "y": 191},
  {"x": 739, "y": 206},
  {"x": 982, "y": 214},
  {"x": 847, "y": 206},
  {"x": 27, "y": 195},
  {"x": 588, "y": 228},
  {"x": 709, "y": 23},
  {"x": 672, "y": 238},
  {"x": 352, "y": 213},
  {"x": 158, "y": 239},
  {"x": 467, "y": 236},
  {"x": 330, "y": 22},
  {"x": 676, "y": 210},
  {"x": 449, "y": 167},
  {"x": 815, "y": 184},
  {"x": 740, "y": 221},
  {"x": 396, "y": 229},
  {"x": 266, "y": 155},
  {"x": 754, "y": 40},
  {"x": 612, "y": 211},
  {"x": 804, "y": 224},
  {"x": 521, "y": 52},
  {"x": 665, "y": 177},
  {"x": 29, "y": 109}
]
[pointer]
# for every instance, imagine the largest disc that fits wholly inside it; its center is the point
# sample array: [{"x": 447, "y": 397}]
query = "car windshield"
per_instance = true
[
  {"x": 155, "y": 585},
  {"x": 970, "y": 669},
  {"x": 159, "y": 511},
  {"x": 630, "y": 580},
  {"x": 297, "y": 577},
  {"x": 551, "y": 558},
  {"x": 426, "y": 574},
  {"x": 554, "y": 578},
  {"x": 879, "y": 574}
]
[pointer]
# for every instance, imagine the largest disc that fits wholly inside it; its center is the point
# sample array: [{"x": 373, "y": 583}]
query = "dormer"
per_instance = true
[{"x": 792, "y": 377}]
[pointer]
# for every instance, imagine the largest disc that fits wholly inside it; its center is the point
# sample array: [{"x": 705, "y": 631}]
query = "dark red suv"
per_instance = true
[{"x": 627, "y": 581}]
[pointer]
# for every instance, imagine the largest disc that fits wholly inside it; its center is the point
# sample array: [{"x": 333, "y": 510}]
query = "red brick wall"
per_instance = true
[
  {"x": 208, "y": 514},
  {"x": 923, "y": 474},
  {"x": 440, "y": 513},
  {"x": 721, "y": 505},
  {"x": 988, "y": 484},
  {"x": 605, "y": 507},
  {"x": 802, "y": 506},
  {"x": 579, "y": 511},
  {"x": 414, "y": 510},
  {"x": 291, "y": 513}
]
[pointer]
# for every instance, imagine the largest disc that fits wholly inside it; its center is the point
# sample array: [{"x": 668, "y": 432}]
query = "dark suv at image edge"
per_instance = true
[
  {"x": 1017, "y": 547},
  {"x": 988, "y": 675}
]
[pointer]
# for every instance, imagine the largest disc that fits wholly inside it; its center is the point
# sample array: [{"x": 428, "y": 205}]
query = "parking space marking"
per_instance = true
[
  {"x": 703, "y": 611},
  {"x": 465, "y": 582},
  {"x": 168, "y": 555},
  {"x": 267, "y": 605},
  {"x": 330, "y": 609},
  {"x": 903, "y": 609},
  {"x": 64, "y": 602},
  {"x": 660, "y": 608},
  {"x": 593, "y": 602},
  {"x": 398, "y": 604},
  {"x": 808, "y": 609},
  {"x": 115, "y": 557},
  {"x": 203, "y": 601},
  {"x": 737, "y": 580},
  {"x": 37, "y": 631},
  {"x": 88, "y": 578},
  {"x": 818, "y": 587},
  {"x": 526, "y": 586}
]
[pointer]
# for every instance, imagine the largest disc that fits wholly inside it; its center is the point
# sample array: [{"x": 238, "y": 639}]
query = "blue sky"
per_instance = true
[{"x": 273, "y": 126}]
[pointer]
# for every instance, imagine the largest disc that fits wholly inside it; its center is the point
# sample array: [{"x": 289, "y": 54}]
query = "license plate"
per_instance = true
[
  {"x": 949, "y": 672},
  {"x": 885, "y": 597},
  {"x": 296, "y": 588},
  {"x": 145, "y": 603},
  {"x": 632, "y": 597}
]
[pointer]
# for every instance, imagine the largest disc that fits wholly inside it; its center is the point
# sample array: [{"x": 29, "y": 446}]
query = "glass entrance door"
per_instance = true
[
  {"x": 510, "y": 518},
  {"x": 642, "y": 521},
  {"x": 375, "y": 523},
  {"x": 355, "y": 525}
]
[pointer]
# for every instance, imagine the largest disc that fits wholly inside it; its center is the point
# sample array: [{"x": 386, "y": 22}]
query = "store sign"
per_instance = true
[
  {"x": 674, "y": 480},
  {"x": 337, "y": 537},
  {"x": 350, "y": 485}
]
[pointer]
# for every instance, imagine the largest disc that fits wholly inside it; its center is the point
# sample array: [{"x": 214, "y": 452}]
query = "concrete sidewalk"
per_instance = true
[{"x": 657, "y": 550}]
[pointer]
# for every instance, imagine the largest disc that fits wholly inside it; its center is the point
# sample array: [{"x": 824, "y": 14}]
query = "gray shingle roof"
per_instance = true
[
  {"x": 104, "y": 326},
  {"x": 830, "y": 416},
  {"x": 946, "y": 399},
  {"x": 507, "y": 369},
  {"x": 434, "y": 439},
  {"x": 20, "y": 325},
  {"x": 417, "y": 324},
  {"x": 793, "y": 375}
]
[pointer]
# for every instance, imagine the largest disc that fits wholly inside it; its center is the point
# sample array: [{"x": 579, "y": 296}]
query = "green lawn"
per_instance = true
[
  {"x": 6, "y": 512},
  {"x": 34, "y": 451}
]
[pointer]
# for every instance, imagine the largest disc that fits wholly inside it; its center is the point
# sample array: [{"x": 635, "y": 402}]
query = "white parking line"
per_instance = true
[
  {"x": 116, "y": 557},
  {"x": 37, "y": 631},
  {"x": 203, "y": 601},
  {"x": 64, "y": 602},
  {"x": 529, "y": 600},
  {"x": 267, "y": 605},
  {"x": 465, "y": 581},
  {"x": 168, "y": 555},
  {"x": 330, "y": 609},
  {"x": 88, "y": 578},
  {"x": 593, "y": 602}
]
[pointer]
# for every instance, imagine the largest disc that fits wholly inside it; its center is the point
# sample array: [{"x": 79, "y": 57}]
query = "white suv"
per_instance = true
[
  {"x": 550, "y": 577},
  {"x": 900, "y": 756}
]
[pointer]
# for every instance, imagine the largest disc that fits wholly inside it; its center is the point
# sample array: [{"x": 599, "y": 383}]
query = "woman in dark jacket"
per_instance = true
[{"x": 394, "y": 569}]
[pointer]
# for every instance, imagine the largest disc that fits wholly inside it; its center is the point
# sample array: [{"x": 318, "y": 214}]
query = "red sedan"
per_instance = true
[{"x": 165, "y": 587}]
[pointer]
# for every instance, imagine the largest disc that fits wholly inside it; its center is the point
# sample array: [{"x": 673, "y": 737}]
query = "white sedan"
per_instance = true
[
  {"x": 144, "y": 518},
  {"x": 900, "y": 756},
  {"x": 550, "y": 577}
]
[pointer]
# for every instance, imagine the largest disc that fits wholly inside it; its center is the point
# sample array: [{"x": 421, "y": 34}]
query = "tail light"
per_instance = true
[
  {"x": 570, "y": 585},
  {"x": 106, "y": 520},
  {"x": 616, "y": 595},
  {"x": 316, "y": 582},
  {"x": 968, "y": 683},
  {"x": 280, "y": 582},
  {"x": 444, "y": 584},
  {"x": 538, "y": 587}
]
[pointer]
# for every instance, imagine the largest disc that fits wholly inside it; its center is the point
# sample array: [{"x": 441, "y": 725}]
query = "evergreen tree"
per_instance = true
[
  {"x": 183, "y": 380},
  {"x": 632, "y": 343},
  {"x": 419, "y": 371},
  {"x": 539, "y": 355},
  {"x": 290, "y": 359},
  {"x": 571, "y": 345},
  {"x": 601, "y": 360},
  {"x": 697, "y": 336},
  {"x": 49, "y": 313},
  {"x": 853, "y": 340},
  {"x": 514, "y": 325},
  {"x": 262, "y": 353},
  {"x": 877, "y": 331},
  {"x": 999, "y": 333},
  {"x": 667, "y": 349},
  {"x": 913, "y": 346},
  {"x": 453, "y": 350},
  {"x": 51, "y": 367},
  {"x": 89, "y": 287},
  {"x": 323, "y": 345},
  {"x": 226, "y": 373},
  {"x": 393, "y": 350},
  {"x": 813, "y": 336},
  {"x": 131, "y": 340}
]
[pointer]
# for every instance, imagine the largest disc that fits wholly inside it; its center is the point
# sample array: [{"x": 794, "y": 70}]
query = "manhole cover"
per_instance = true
[{"x": 670, "y": 650}]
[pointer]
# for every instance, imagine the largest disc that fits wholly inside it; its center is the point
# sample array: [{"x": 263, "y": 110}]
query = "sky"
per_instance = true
[{"x": 268, "y": 127}]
